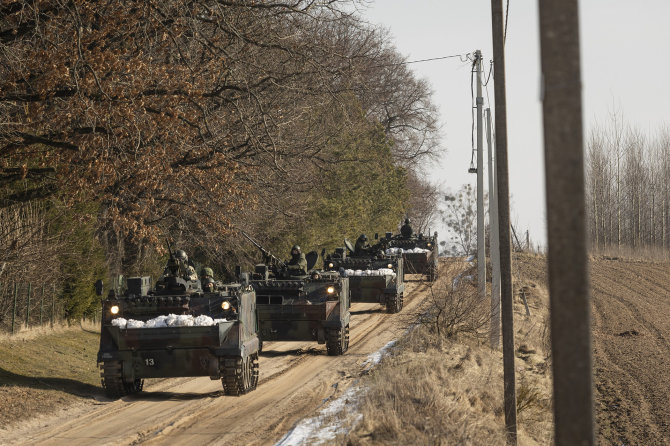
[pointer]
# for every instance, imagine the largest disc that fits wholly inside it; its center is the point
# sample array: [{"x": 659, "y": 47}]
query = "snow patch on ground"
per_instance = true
[
  {"x": 319, "y": 429},
  {"x": 376, "y": 357},
  {"x": 170, "y": 320},
  {"x": 337, "y": 418}
]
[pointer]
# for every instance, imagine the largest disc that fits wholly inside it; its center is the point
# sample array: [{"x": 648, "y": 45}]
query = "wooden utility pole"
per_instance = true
[
  {"x": 502, "y": 188},
  {"x": 481, "y": 242},
  {"x": 566, "y": 223},
  {"x": 494, "y": 246}
]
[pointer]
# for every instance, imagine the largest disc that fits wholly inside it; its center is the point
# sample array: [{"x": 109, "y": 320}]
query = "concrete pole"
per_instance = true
[
  {"x": 502, "y": 188},
  {"x": 481, "y": 245},
  {"x": 568, "y": 264},
  {"x": 494, "y": 249}
]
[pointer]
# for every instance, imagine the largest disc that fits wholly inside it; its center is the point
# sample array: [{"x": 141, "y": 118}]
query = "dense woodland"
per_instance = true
[
  {"x": 628, "y": 187},
  {"x": 125, "y": 123}
]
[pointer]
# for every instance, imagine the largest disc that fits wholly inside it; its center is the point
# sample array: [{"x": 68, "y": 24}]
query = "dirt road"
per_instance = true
[
  {"x": 295, "y": 379},
  {"x": 631, "y": 333}
]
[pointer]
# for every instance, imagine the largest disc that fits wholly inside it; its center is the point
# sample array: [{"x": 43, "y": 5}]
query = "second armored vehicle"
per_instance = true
[{"x": 301, "y": 305}]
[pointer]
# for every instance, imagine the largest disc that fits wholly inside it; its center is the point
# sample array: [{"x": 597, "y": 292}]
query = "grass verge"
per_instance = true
[
  {"x": 42, "y": 372},
  {"x": 447, "y": 388}
]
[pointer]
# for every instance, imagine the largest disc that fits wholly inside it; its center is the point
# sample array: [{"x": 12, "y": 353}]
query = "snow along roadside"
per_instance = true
[{"x": 339, "y": 417}]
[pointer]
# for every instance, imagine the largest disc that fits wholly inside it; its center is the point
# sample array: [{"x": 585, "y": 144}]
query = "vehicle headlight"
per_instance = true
[
  {"x": 330, "y": 290},
  {"x": 330, "y": 265},
  {"x": 225, "y": 305},
  {"x": 390, "y": 265},
  {"x": 428, "y": 245},
  {"x": 114, "y": 309}
]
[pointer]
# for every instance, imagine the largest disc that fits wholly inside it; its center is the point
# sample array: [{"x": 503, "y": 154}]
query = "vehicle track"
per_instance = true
[{"x": 295, "y": 379}]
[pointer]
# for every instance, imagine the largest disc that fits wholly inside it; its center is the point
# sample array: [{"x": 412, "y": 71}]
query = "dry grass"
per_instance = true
[
  {"x": 646, "y": 253},
  {"x": 447, "y": 389},
  {"x": 432, "y": 396},
  {"x": 43, "y": 370}
]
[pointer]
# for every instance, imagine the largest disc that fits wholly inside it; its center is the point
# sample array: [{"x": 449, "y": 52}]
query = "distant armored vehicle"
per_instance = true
[
  {"x": 374, "y": 276},
  {"x": 176, "y": 329},
  {"x": 299, "y": 305},
  {"x": 419, "y": 252}
]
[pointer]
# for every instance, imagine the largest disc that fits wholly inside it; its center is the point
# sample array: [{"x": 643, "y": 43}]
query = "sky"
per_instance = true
[{"x": 624, "y": 62}]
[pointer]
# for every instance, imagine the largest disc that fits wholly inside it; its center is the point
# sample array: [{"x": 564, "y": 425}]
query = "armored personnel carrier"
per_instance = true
[
  {"x": 176, "y": 329},
  {"x": 419, "y": 253},
  {"x": 374, "y": 276},
  {"x": 298, "y": 305}
]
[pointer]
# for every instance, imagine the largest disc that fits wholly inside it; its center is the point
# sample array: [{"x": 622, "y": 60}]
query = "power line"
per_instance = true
[
  {"x": 467, "y": 55},
  {"x": 460, "y": 56}
]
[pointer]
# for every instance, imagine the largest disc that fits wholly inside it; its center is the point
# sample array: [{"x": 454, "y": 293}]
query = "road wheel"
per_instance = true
[
  {"x": 337, "y": 341},
  {"x": 111, "y": 373},
  {"x": 432, "y": 273},
  {"x": 394, "y": 303},
  {"x": 239, "y": 375}
]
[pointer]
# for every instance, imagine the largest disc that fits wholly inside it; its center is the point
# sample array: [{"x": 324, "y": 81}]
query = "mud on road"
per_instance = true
[
  {"x": 631, "y": 334},
  {"x": 295, "y": 380}
]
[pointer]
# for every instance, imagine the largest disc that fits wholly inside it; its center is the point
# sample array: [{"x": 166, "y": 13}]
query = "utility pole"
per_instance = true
[
  {"x": 502, "y": 188},
  {"x": 481, "y": 242},
  {"x": 566, "y": 223},
  {"x": 494, "y": 246}
]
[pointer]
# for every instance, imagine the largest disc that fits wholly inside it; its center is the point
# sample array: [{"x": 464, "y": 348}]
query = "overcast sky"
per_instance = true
[{"x": 624, "y": 46}]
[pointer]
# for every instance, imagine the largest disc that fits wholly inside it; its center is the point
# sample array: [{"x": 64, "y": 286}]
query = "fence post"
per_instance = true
[
  {"x": 16, "y": 293},
  {"x": 42, "y": 305},
  {"x": 53, "y": 304},
  {"x": 30, "y": 289}
]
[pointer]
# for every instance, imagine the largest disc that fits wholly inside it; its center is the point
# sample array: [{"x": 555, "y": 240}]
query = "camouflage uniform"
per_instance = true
[
  {"x": 178, "y": 265},
  {"x": 298, "y": 263},
  {"x": 362, "y": 246}
]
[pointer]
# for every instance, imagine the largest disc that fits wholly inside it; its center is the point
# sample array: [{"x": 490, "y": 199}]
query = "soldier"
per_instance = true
[
  {"x": 208, "y": 284},
  {"x": 406, "y": 230},
  {"x": 186, "y": 269},
  {"x": 362, "y": 246},
  {"x": 206, "y": 272},
  {"x": 298, "y": 263}
]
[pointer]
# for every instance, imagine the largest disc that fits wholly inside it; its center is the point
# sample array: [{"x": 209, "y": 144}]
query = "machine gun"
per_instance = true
[
  {"x": 173, "y": 265},
  {"x": 269, "y": 257}
]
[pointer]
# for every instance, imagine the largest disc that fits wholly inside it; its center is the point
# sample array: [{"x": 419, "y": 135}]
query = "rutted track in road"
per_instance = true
[{"x": 296, "y": 378}]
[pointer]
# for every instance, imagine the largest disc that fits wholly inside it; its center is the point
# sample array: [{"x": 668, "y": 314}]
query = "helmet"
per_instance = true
[
  {"x": 208, "y": 284},
  {"x": 207, "y": 271},
  {"x": 295, "y": 248},
  {"x": 363, "y": 238},
  {"x": 407, "y": 221},
  {"x": 181, "y": 255}
]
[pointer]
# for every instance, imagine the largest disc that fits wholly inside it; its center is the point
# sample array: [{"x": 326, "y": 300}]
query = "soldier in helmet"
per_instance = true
[
  {"x": 206, "y": 272},
  {"x": 185, "y": 269},
  {"x": 298, "y": 263},
  {"x": 406, "y": 229},
  {"x": 208, "y": 284},
  {"x": 362, "y": 246},
  {"x": 207, "y": 279}
]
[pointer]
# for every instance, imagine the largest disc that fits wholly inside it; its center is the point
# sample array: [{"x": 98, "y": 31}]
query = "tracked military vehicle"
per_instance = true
[
  {"x": 374, "y": 276},
  {"x": 299, "y": 305},
  {"x": 176, "y": 329},
  {"x": 419, "y": 252}
]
